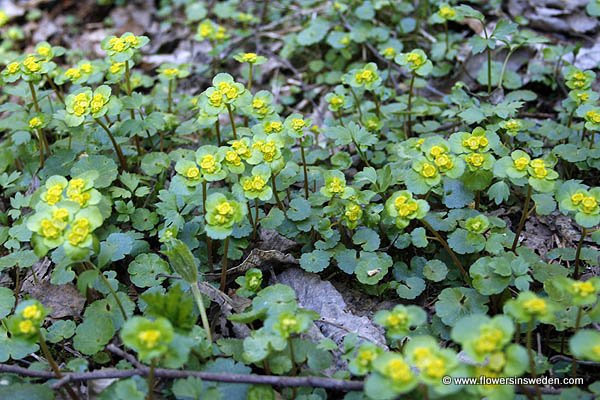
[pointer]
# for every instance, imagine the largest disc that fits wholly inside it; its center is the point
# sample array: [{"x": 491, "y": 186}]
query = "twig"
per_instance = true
[{"x": 273, "y": 380}]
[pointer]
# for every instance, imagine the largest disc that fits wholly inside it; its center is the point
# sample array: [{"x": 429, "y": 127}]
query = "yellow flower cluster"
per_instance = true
[
  {"x": 535, "y": 306},
  {"x": 224, "y": 212},
  {"x": 35, "y": 122},
  {"x": 54, "y": 194},
  {"x": 490, "y": 340},
  {"x": 80, "y": 230},
  {"x": 353, "y": 212},
  {"x": 475, "y": 160},
  {"x": 268, "y": 149},
  {"x": 13, "y": 67},
  {"x": 76, "y": 193},
  {"x": 365, "y": 76},
  {"x": 447, "y": 12},
  {"x": 588, "y": 203},
  {"x": 475, "y": 142},
  {"x": 192, "y": 173},
  {"x": 428, "y": 170},
  {"x": 398, "y": 370},
  {"x": 81, "y": 104},
  {"x": 521, "y": 163},
  {"x": 256, "y": 183},
  {"x": 365, "y": 357},
  {"x": 405, "y": 207},
  {"x": 593, "y": 116},
  {"x": 336, "y": 185},
  {"x": 149, "y": 338},
  {"x": 273, "y": 127},
  {"x": 539, "y": 168},
  {"x": 583, "y": 288},
  {"x": 208, "y": 163},
  {"x": 233, "y": 158},
  {"x": 429, "y": 363},
  {"x": 31, "y": 64}
]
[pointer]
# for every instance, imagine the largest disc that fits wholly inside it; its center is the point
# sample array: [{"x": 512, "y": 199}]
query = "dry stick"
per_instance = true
[
  {"x": 54, "y": 366},
  {"x": 448, "y": 249},
  {"x": 224, "y": 265},
  {"x": 273, "y": 380},
  {"x": 522, "y": 221},
  {"x": 122, "y": 160}
]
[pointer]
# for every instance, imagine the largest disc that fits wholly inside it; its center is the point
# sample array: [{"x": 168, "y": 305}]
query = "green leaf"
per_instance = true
[
  {"x": 315, "y": 261},
  {"x": 93, "y": 334},
  {"x": 106, "y": 168},
  {"x": 26, "y": 391},
  {"x": 299, "y": 209},
  {"x": 435, "y": 270},
  {"x": 115, "y": 248},
  {"x": 176, "y": 305},
  {"x": 419, "y": 237},
  {"x": 457, "y": 302},
  {"x": 372, "y": 267},
  {"x": 60, "y": 330},
  {"x": 189, "y": 388},
  {"x": 315, "y": 32},
  {"x": 367, "y": 238},
  {"x": 7, "y": 301},
  {"x": 144, "y": 269}
]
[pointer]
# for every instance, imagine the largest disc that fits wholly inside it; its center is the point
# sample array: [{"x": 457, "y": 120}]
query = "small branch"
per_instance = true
[{"x": 273, "y": 380}]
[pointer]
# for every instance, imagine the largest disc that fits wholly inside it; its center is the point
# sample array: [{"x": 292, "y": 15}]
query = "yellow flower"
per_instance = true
[
  {"x": 258, "y": 103},
  {"x": 98, "y": 101},
  {"x": 241, "y": 149},
  {"x": 365, "y": 76},
  {"x": 428, "y": 170},
  {"x": 353, "y": 212},
  {"x": 577, "y": 198},
  {"x": 400, "y": 200},
  {"x": 436, "y": 151},
  {"x": 79, "y": 231},
  {"x": 365, "y": 357},
  {"x": 208, "y": 163},
  {"x": 249, "y": 57},
  {"x": 298, "y": 124},
  {"x": 32, "y": 312},
  {"x": 336, "y": 185},
  {"x": 49, "y": 229},
  {"x": 44, "y": 51},
  {"x": 35, "y": 122},
  {"x": 13, "y": 67},
  {"x": 233, "y": 158},
  {"x": 521, "y": 163},
  {"x": 489, "y": 340},
  {"x": 447, "y": 12},
  {"x": 415, "y": 59},
  {"x": 583, "y": 96},
  {"x": 389, "y": 52},
  {"x": 116, "y": 68},
  {"x": 258, "y": 183},
  {"x": 336, "y": 101},
  {"x": 171, "y": 72},
  {"x": 407, "y": 209},
  {"x": 589, "y": 204},
  {"x": 86, "y": 68},
  {"x": 205, "y": 29},
  {"x": 345, "y": 40},
  {"x": 224, "y": 208},
  {"x": 132, "y": 40},
  {"x": 540, "y": 172},
  {"x": 149, "y": 338},
  {"x": 398, "y": 370},
  {"x": 117, "y": 44},
  {"x": 396, "y": 320},
  {"x": 583, "y": 288},
  {"x": 537, "y": 163},
  {"x": 476, "y": 160},
  {"x": 443, "y": 161},
  {"x": 273, "y": 127},
  {"x": 26, "y": 327},
  {"x": 421, "y": 353},
  {"x": 60, "y": 214},
  {"x": 535, "y": 306},
  {"x": 596, "y": 350},
  {"x": 593, "y": 116},
  {"x": 53, "y": 194},
  {"x": 192, "y": 173},
  {"x": 216, "y": 98},
  {"x": 73, "y": 73},
  {"x": 268, "y": 151},
  {"x": 31, "y": 64}
]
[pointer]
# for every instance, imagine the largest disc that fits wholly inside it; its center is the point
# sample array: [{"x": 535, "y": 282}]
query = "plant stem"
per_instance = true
[
  {"x": 170, "y": 96},
  {"x": 489, "y": 60},
  {"x": 151, "y": 379},
  {"x": 448, "y": 249},
  {"x": 531, "y": 356},
  {"x": 304, "y": 168},
  {"x": 446, "y": 37},
  {"x": 249, "y": 77},
  {"x": 54, "y": 365},
  {"x": 277, "y": 200},
  {"x": 523, "y": 219},
  {"x": 294, "y": 366},
  {"x": 218, "y": 131},
  {"x": 122, "y": 160},
  {"x": 578, "y": 253},
  {"x": 577, "y": 323},
  {"x": 230, "y": 112},
  {"x": 56, "y": 90},
  {"x": 501, "y": 79},
  {"x": 208, "y": 239},
  {"x": 409, "y": 108},
  {"x": 203, "y": 316},
  {"x": 255, "y": 217},
  {"x": 224, "y": 264},
  {"x": 110, "y": 288},
  {"x": 357, "y": 104}
]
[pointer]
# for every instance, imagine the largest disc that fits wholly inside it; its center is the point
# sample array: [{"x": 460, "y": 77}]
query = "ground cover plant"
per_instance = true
[{"x": 432, "y": 164}]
